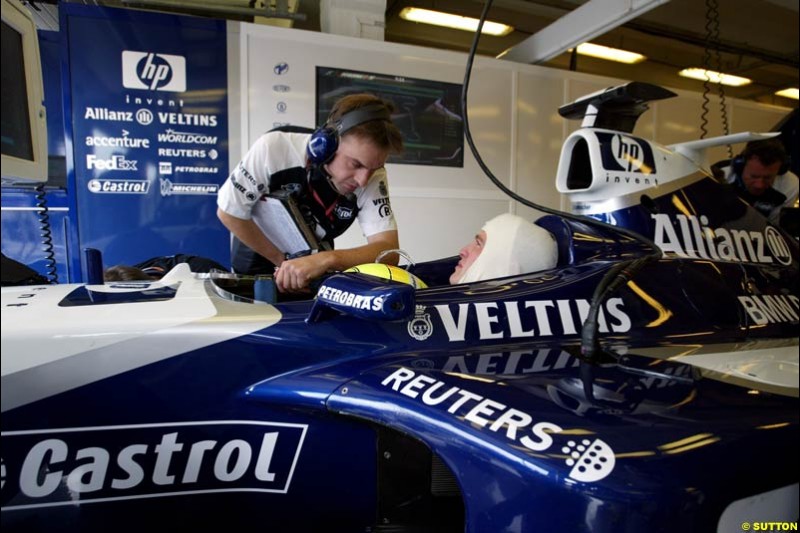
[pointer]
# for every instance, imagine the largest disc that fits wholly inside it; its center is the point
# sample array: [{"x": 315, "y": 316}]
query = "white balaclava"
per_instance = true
[{"x": 513, "y": 246}]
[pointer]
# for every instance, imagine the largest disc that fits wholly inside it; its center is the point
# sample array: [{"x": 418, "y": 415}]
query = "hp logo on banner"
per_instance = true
[{"x": 155, "y": 72}]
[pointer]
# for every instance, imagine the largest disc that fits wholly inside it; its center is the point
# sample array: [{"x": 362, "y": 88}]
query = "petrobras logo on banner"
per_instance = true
[
  {"x": 168, "y": 188},
  {"x": 118, "y": 186},
  {"x": 196, "y": 170},
  {"x": 164, "y": 167},
  {"x": 46, "y": 468},
  {"x": 115, "y": 162},
  {"x": 154, "y": 72}
]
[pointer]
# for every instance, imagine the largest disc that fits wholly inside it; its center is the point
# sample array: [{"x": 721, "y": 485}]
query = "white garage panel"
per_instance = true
[{"x": 512, "y": 112}]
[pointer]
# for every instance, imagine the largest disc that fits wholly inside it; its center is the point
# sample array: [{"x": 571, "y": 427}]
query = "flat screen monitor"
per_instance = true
[
  {"x": 427, "y": 112},
  {"x": 24, "y": 129}
]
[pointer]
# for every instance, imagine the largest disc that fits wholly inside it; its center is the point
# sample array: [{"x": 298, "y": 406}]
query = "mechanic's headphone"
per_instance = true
[
  {"x": 737, "y": 165},
  {"x": 324, "y": 141}
]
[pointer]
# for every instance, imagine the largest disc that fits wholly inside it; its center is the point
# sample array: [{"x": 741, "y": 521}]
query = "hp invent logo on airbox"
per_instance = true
[
  {"x": 154, "y": 72},
  {"x": 46, "y": 468}
]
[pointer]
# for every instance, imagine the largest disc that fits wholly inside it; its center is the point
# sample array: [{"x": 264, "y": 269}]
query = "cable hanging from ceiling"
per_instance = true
[{"x": 712, "y": 46}]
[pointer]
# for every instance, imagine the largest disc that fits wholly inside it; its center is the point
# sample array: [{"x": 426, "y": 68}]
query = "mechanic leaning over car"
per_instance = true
[
  {"x": 335, "y": 174},
  {"x": 762, "y": 177},
  {"x": 507, "y": 245}
]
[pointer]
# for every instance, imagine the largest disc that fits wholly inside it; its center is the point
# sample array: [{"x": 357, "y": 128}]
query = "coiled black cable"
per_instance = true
[
  {"x": 712, "y": 45},
  {"x": 616, "y": 276},
  {"x": 43, "y": 214}
]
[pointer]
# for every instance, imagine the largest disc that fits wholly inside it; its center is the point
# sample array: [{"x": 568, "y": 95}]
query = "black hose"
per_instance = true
[
  {"x": 712, "y": 45},
  {"x": 43, "y": 214}
]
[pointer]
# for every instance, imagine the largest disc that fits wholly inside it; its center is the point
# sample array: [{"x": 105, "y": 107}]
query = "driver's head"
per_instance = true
[
  {"x": 507, "y": 245},
  {"x": 364, "y": 148}
]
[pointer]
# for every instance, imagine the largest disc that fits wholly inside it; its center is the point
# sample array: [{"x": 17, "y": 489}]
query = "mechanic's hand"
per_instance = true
[{"x": 294, "y": 275}]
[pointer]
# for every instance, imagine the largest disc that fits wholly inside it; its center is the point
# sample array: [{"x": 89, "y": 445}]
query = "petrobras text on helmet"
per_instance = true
[{"x": 350, "y": 299}]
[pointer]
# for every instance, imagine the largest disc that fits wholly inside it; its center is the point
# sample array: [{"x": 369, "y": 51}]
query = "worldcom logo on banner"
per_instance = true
[{"x": 154, "y": 72}]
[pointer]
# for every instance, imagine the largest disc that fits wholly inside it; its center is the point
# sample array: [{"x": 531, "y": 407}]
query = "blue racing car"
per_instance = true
[{"x": 668, "y": 401}]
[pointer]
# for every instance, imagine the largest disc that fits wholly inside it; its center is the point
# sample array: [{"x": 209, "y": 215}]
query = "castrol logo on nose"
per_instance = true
[{"x": 45, "y": 468}]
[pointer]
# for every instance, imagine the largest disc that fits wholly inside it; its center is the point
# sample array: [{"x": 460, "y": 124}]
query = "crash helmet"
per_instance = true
[{"x": 393, "y": 273}]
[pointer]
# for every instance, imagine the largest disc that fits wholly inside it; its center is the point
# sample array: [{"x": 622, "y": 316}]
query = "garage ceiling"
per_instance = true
[{"x": 758, "y": 39}]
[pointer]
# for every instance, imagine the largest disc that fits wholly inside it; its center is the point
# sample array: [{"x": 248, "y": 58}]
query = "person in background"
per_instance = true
[
  {"x": 761, "y": 177},
  {"x": 336, "y": 175},
  {"x": 507, "y": 245},
  {"x": 127, "y": 273}
]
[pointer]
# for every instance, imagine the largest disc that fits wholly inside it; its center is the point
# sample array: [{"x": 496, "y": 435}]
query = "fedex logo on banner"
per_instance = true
[{"x": 154, "y": 72}]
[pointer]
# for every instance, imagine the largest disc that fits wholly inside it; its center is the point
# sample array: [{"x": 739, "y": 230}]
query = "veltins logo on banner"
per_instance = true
[{"x": 154, "y": 72}]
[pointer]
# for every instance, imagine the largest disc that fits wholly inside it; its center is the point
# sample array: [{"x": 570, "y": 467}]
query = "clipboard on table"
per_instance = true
[{"x": 278, "y": 216}]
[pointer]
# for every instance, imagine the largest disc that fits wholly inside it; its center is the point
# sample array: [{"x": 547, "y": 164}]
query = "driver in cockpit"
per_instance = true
[{"x": 506, "y": 245}]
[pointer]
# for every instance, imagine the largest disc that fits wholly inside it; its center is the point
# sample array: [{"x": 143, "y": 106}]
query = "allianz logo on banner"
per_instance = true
[{"x": 156, "y": 72}]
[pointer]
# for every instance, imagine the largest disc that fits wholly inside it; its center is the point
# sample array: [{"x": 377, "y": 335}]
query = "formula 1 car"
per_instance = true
[{"x": 185, "y": 404}]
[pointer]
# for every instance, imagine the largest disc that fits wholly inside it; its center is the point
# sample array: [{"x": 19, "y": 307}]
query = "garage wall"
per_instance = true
[{"x": 512, "y": 112}]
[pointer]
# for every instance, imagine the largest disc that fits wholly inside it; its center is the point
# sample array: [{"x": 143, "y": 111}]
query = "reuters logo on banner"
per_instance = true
[{"x": 154, "y": 72}]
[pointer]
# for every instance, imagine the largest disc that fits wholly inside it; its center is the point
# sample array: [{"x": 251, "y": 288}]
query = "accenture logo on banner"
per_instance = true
[
  {"x": 82, "y": 465},
  {"x": 122, "y": 142},
  {"x": 696, "y": 240},
  {"x": 154, "y": 72}
]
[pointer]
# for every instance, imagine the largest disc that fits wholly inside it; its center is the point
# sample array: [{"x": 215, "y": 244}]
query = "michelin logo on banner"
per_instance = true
[
  {"x": 168, "y": 188},
  {"x": 154, "y": 72}
]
